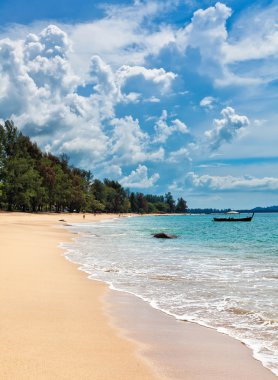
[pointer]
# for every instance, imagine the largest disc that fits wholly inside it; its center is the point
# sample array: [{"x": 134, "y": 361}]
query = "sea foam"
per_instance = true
[{"x": 218, "y": 275}]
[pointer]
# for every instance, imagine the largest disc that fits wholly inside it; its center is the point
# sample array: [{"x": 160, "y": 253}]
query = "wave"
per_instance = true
[{"x": 205, "y": 283}]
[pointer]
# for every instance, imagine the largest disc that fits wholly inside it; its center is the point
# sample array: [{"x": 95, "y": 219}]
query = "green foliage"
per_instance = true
[
  {"x": 140, "y": 203},
  {"x": 31, "y": 180},
  {"x": 95, "y": 206},
  {"x": 181, "y": 205},
  {"x": 22, "y": 185},
  {"x": 169, "y": 200}
]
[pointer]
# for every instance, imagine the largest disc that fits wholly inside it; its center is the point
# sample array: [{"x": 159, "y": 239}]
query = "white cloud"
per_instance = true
[
  {"x": 180, "y": 155},
  {"x": 208, "y": 102},
  {"x": 207, "y": 32},
  {"x": 213, "y": 165},
  {"x": 46, "y": 60},
  {"x": 152, "y": 99},
  {"x": 118, "y": 37},
  {"x": 226, "y": 183},
  {"x": 102, "y": 74},
  {"x": 176, "y": 187},
  {"x": 138, "y": 178},
  {"x": 43, "y": 75},
  {"x": 157, "y": 76},
  {"x": 208, "y": 27},
  {"x": 106, "y": 92},
  {"x": 112, "y": 171},
  {"x": 163, "y": 130},
  {"x": 129, "y": 35},
  {"x": 227, "y": 128},
  {"x": 254, "y": 36},
  {"x": 129, "y": 144},
  {"x": 259, "y": 39},
  {"x": 131, "y": 97},
  {"x": 253, "y": 45},
  {"x": 38, "y": 90},
  {"x": 121, "y": 37},
  {"x": 150, "y": 84}
]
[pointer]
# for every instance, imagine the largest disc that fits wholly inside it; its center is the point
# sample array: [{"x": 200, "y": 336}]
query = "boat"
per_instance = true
[{"x": 234, "y": 219}]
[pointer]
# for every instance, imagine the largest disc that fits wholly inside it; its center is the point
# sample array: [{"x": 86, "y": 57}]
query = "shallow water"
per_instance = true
[{"x": 222, "y": 275}]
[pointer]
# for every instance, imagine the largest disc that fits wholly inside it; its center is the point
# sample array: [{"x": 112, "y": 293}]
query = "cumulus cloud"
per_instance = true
[
  {"x": 129, "y": 35},
  {"x": 150, "y": 84},
  {"x": 102, "y": 75},
  {"x": 226, "y": 129},
  {"x": 39, "y": 91},
  {"x": 46, "y": 60},
  {"x": 231, "y": 183},
  {"x": 43, "y": 75},
  {"x": 164, "y": 130},
  {"x": 157, "y": 76},
  {"x": 129, "y": 144},
  {"x": 207, "y": 33},
  {"x": 127, "y": 40},
  {"x": 255, "y": 39},
  {"x": 117, "y": 85},
  {"x": 138, "y": 178},
  {"x": 207, "y": 28}
]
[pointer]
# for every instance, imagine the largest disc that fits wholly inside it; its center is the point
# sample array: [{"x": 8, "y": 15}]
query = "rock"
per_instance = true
[{"x": 163, "y": 235}]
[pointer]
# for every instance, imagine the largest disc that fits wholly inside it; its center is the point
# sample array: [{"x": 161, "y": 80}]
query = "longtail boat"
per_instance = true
[{"x": 234, "y": 219}]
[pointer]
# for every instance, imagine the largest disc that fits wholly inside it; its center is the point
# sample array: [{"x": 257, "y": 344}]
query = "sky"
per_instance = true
[{"x": 174, "y": 95}]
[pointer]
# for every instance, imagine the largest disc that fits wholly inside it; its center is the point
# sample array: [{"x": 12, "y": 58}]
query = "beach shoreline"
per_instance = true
[
  {"x": 53, "y": 325},
  {"x": 120, "y": 348},
  {"x": 182, "y": 350}
]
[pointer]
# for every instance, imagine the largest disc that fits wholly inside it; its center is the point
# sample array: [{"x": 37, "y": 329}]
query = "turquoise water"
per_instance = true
[{"x": 222, "y": 275}]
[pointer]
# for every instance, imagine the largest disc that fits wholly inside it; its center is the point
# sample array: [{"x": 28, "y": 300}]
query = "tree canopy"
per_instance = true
[{"x": 32, "y": 180}]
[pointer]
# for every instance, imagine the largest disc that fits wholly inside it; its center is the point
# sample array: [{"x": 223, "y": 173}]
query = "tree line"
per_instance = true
[{"x": 32, "y": 180}]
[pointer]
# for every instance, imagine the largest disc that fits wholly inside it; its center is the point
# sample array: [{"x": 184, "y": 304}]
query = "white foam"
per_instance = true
[{"x": 180, "y": 281}]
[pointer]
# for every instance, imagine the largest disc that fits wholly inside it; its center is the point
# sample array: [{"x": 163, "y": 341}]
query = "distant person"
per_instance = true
[{"x": 83, "y": 216}]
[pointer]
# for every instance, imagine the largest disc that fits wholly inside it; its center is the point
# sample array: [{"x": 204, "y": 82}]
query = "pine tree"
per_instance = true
[{"x": 181, "y": 205}]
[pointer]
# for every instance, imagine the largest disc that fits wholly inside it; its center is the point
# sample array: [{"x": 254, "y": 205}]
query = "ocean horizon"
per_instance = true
[{"x": 220, "y": 275}]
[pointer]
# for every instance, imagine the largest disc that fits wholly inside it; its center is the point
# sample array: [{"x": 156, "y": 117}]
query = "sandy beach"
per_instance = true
[
  {"x": 52, "y": 320},
  {"x": 57, "y": 324}
]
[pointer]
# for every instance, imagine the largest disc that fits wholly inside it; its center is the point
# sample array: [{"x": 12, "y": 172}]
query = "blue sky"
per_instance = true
[{"x": 175, "y": 95}]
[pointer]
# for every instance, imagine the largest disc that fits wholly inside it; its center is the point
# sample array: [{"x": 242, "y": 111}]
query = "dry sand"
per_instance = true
[{"x": 53, "y": 323}]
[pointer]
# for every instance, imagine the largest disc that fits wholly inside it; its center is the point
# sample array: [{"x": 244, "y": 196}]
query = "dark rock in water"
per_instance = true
[{"x": 163, "y": 235}]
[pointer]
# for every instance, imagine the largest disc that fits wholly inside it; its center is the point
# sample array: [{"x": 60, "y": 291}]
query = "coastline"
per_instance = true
[
  {"x": 183, "y": 350},
  {"x": 52, "y": 310},
  {"x": 53, "y": 325}
]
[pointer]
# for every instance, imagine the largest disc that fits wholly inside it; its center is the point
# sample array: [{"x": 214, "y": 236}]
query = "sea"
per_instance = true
[{"x": 220, "y": 275}]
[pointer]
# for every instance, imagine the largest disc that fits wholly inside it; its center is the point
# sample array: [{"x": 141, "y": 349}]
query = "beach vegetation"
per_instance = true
[
  {"x": 181, "y": 205},
  {"x": 33, "y": 180}
]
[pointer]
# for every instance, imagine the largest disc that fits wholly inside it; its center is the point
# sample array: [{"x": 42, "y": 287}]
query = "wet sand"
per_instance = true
[
  {"x": 57, "y": 324},
  {"x": 183, "y": 350}
]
